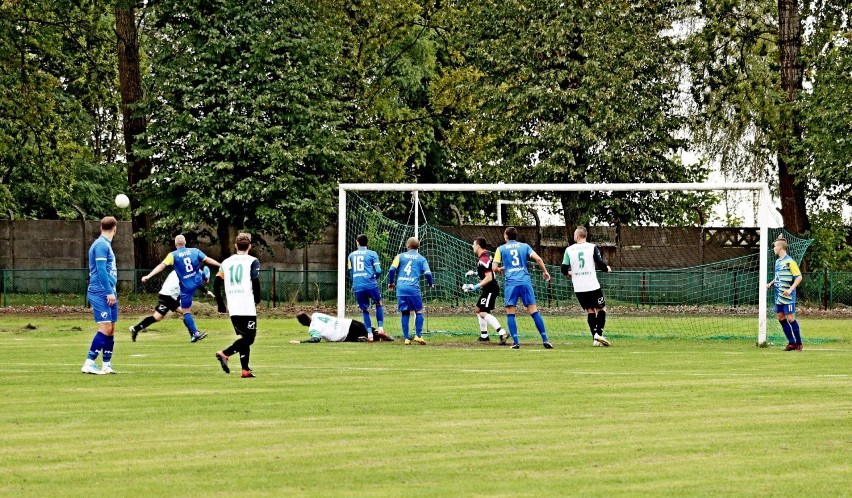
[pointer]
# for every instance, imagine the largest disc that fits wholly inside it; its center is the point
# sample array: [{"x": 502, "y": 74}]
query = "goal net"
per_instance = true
[{"x": 668, "y": 280}]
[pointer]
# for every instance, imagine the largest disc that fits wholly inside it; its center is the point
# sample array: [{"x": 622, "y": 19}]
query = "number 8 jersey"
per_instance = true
[{"x": 237, "y": 271}]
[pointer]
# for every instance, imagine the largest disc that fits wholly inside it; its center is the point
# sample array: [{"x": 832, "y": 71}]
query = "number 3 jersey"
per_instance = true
[
  {"x": 584, "y": 258},
  {"x": 237, "y": 271},
  {"x": 513, "y": 256}
]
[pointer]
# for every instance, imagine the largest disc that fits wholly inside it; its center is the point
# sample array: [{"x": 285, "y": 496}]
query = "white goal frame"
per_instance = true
[{"x": 763, "y": 221}]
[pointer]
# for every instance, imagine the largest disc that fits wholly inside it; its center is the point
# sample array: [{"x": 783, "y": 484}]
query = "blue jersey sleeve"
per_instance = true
[
  {"x": 103, "y": 275},
  {"x": 200, "y": 255},
  {"x": 377, "y": 265}
]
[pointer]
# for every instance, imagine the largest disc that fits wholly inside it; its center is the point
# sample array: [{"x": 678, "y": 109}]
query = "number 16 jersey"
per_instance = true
[{"x": 237, "y": 271}]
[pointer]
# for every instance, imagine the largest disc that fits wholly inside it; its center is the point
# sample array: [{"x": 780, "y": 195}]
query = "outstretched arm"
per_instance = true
[
  {"x": 160, "y": 267},
  {"x": 211, "y": 261}
]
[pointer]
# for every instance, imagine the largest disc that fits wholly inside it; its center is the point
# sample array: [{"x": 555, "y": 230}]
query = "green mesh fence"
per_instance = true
[{"x": 716, "y": 299}]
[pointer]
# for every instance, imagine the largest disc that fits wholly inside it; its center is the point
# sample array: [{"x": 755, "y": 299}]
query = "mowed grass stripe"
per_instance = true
[{"x": 683, "y": 417}]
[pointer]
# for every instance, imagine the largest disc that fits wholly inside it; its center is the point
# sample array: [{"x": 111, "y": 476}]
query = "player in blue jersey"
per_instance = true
[
  {"x": 364, "y": 270},
  {"x": 512, "y": 256},
  {"x": 787, "y": 278},
  {"x": 410, "y": 265},
  {"x": 102, "y": 295},
  {"x": 187, "y": 264}
]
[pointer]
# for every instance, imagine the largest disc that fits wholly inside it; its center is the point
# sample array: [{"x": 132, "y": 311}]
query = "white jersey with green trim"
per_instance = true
[
  {"x": 581, "y": 257},
  {"x": 330, "y": 328},
  {"x": 236, "y": 271}
]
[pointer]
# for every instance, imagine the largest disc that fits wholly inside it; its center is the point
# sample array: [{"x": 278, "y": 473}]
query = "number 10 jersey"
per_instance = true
[{"x": 237, "y": 271}]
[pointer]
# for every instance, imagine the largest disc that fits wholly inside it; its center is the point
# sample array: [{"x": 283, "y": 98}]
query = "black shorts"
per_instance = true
[
  {"x": 244, "y": 325},
  {"x": 356, "y": 329},
  {"x": 487, "y": 300},
  {"x": 165, "y": 304},
  {"x": 591, "y": 299}
]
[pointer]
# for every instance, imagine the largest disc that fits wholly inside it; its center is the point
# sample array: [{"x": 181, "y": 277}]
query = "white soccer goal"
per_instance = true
[{"x": 690, "y": 285}]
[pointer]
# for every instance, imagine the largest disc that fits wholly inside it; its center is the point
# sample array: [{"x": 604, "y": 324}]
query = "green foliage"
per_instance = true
[
  {"x": 735, "y": 90},
  {"x": 830, "y": 250},
  {"x": 58, "y": 125},
  {"x": 827, "y": 108},
  {"x": 738, "y": 113},
  {"x": 245, "y": 117},
  {"x": 571, "y": 93}
]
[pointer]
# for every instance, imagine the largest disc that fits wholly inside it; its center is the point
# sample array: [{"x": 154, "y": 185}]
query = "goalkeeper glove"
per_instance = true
[
  {"x": 470, "y": 287},
  {"x": 470, "y": 273}
]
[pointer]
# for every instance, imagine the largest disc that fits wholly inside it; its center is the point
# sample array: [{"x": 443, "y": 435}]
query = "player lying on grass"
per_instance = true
[
  {"x": 167, "y": 300},
  {"x": 322, "y": 326}
]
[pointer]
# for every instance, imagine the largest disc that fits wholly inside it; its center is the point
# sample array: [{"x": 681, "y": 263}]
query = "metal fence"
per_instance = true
[
  {"x": 823, "y": 290},
  {"x": 55, "y": 287}
]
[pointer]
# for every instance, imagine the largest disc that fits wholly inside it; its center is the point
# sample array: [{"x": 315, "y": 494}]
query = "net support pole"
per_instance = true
[
  {"x": 763, "y": 271},
  {"x": 341, "y": 252},
  {"x": 415, "y": 198}
]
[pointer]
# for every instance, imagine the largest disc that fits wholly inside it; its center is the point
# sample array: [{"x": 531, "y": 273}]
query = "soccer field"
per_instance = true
[{"x": 681, "y": 417}]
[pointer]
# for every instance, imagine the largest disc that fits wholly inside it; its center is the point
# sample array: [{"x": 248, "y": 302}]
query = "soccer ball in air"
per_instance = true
[{"x": 122, "y": 201}]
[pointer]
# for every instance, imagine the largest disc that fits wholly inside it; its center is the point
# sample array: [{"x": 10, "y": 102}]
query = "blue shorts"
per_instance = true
[
  {"x": 409, "y": 303},
  {"x": 103, "y": 312},
  {"x": 363, "y": 297},
  {"x": 186, "y": 297},
  {"x": 524, "y": 292},
  {"x": 787, "y": 309}
]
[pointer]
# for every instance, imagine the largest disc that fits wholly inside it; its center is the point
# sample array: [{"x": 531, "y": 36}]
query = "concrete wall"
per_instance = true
[{"x": 38, "y": 244}]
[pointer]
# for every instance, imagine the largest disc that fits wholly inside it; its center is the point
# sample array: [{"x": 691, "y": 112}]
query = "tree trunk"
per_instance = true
[
  {"x": 793, "y": 202},
  {"x": 130, "y": 84},
  {"x": 226, "y": 236}
]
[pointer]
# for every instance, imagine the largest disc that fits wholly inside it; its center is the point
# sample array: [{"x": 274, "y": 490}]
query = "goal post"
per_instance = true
[{"x": 345, "y": 240}]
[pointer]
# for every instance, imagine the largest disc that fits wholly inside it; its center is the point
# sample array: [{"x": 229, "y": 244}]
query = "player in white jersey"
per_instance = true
[
  {"x": 240, "y": 277},
  {"x": 168, "y": 300},
  {"x": 333, "y": 329},
  {"x": 580, "y": 262}
]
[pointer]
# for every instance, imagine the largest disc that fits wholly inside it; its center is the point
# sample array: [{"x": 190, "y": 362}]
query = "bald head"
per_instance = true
[{"x": 180, "y": 241}]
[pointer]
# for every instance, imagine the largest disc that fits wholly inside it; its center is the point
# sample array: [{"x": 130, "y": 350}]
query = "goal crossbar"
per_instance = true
[{"x": 414, "y": 188}]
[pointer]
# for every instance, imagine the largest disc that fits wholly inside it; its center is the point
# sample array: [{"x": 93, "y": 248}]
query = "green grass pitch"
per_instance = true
[{"x": 676, "y": 417}]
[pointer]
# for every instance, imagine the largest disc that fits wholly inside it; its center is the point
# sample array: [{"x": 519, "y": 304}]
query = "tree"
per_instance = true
[
  {"x": 576, "y": 92},
  {"x": 58, "y": 105},
  {"x": 245, "y": 118},
  {"x": 134, "y": 123},
  {"x": 752, "y": 111},
  {"x": 826, "y": 114},
  {"x": 404, "y": 94}
]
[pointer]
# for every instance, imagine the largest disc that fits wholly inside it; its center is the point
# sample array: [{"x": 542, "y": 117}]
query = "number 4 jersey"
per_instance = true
[{"x": 237, "y": 271}]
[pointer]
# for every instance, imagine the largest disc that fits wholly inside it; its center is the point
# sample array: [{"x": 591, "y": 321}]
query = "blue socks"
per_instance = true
[
  {"x": 513, "y": 328},
  {"x": 418, "y": 324},
  {"x": 405, "y": 318},
  {"x": 794, "y": 325},
  {"x": 109, "y": 343},
  {"x": 190, "y": 323},
  {"x": 380, "y": 316},
  {"x": 98, "y": 344},
  {"x": 788, "y": 330},
  {"x": 539, "y": 325},
  {"x": 365, "y": 314}
]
